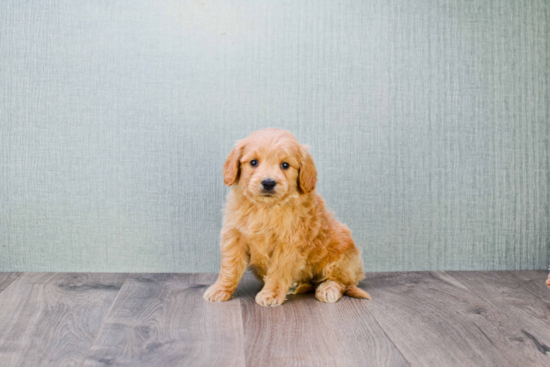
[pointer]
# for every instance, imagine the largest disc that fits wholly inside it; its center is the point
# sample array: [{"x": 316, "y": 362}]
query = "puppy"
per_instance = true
[{"x": 277, "y": 225}]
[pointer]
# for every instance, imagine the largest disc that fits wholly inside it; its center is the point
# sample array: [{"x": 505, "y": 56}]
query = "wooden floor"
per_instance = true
[{"x": 414, "y": 319}]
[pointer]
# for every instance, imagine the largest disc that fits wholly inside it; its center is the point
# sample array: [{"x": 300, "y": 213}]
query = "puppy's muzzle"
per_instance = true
[{"x": 269, "y": 185}]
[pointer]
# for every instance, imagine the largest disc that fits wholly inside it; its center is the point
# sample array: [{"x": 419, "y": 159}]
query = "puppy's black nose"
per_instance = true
[{"x": 268, "y": 184}]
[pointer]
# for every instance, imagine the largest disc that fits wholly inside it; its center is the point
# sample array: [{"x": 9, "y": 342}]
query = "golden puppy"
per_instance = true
[{"x": 277, "y": 224}]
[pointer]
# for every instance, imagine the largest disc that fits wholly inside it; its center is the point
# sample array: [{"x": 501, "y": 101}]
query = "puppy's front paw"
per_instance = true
[
  {"x": 217, "y": 294},
  {"x": 269, "y": 299}
]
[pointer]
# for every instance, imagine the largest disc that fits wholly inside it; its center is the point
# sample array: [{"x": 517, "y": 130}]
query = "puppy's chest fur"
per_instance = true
[{"x": 265, "y": 228}]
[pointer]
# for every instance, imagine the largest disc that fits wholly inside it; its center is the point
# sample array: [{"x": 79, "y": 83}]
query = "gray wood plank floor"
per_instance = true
[
  {"x": 51, "y": 319},
  {"x": 6, "y": 279},
  {"x": 435, "y": 309},
  {"x": 162, "y": 320},
  {"x": 414, "y": 319},
  {"x": 527, "y": 316},
  {"x": 306, "y": 332}
]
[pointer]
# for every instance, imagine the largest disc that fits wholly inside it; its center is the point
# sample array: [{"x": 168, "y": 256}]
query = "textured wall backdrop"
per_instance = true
[{"x": 429, "y": 122}]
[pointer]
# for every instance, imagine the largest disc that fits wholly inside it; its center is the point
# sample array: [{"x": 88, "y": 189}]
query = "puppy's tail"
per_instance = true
[{"x": 355, "y": 292}]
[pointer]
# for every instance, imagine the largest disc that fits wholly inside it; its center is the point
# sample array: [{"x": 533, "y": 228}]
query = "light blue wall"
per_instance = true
[{"x": 428, "y": 120}]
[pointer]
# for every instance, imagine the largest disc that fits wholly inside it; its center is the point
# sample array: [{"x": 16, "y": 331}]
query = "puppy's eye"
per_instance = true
[
  {"x": 285, "y": 165},
  {"x": 253, "y": 163}
]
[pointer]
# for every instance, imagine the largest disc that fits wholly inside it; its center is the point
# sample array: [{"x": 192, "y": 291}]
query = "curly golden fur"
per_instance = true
[{"x": 284, "y": 234}]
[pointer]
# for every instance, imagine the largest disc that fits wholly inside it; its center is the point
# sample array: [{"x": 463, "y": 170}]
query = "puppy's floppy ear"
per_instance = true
[
  {"x": 232, "y": 164},
  {"x": 307, "y": 177}
]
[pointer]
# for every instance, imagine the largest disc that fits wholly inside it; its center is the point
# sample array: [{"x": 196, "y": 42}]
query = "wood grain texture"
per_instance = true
[
  {"x": 526, "y": 313},
  {"x": 535, "y": 282},
  {"x": 434, "y": 320},
  {"x": 420, "y": 319},
  {"x": 306, "y": 332},
  {"x": 49, "y": 319},
  {"x": 162, "y": 320},
  {"x": 6, "y": 279}
]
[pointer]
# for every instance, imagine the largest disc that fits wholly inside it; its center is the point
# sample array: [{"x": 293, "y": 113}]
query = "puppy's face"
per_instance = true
[{"x": 269, "y": 166}]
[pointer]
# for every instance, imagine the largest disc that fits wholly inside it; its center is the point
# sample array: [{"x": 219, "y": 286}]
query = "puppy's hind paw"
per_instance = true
[
  {"x": 329, "y": 291},
  {"x": 216, "y": 294}
]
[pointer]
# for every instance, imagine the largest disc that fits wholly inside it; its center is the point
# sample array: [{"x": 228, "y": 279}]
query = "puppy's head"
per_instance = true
[{"x": 270, "y": 165}]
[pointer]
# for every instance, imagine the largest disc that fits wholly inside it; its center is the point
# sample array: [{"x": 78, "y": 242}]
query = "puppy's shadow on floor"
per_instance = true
[
  {"x": 250, "y": 286},
  {"x": 302, "y": 297}
]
